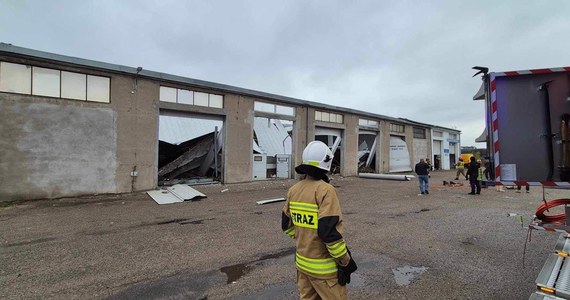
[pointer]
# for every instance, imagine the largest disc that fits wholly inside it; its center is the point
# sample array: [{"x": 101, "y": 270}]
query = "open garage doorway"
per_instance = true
[
  {"x": 189, "y": 148},
  {"x": 437, "y": 154},
  {"x": 272, "y": 148},
  {"x": 367, "y": 146},
  {"x": 332, "y": 138}
]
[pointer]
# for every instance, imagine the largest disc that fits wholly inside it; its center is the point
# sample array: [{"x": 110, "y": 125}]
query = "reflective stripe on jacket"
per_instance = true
[{"x": 313, "y": 217}]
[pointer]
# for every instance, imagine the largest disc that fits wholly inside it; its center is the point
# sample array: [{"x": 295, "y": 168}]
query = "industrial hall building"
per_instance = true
[{"x": 72, "y": 126}]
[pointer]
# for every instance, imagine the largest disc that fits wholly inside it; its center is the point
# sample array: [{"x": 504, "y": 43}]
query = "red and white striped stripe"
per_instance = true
[
  {"x": 529, "y": 72},
  {"x": 562, "y": 184},
  {"x": 495, "y": 127},
  {"x": 495, "y": 122},
  {"x": 550, "y": 229}
]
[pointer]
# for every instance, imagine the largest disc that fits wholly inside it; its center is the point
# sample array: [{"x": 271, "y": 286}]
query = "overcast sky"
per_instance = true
[{"x": 409, "y": 59}]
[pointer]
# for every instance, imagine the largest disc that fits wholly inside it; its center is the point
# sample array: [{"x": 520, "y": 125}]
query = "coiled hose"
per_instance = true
[{"x": 553, "y": 219}]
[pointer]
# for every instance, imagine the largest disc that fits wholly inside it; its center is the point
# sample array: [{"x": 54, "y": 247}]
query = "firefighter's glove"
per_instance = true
[{"x": 344, "y": 272}]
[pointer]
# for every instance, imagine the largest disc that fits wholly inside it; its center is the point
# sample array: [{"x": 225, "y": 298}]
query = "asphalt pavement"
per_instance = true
[{"x": 445, "y": 245}]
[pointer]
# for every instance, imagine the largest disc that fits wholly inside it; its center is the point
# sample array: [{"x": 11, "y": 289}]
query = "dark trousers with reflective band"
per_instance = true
[{"x": 314, "y": 289}]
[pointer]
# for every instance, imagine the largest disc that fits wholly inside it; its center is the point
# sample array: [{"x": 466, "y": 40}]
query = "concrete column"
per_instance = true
[
  {"x": 302, "y": 134},
  {"x": 385, "y": 139},
  {"x": 409, "y": 136},
  {"x": 238, "y": 137},
  {"x": 137, "y": 132},
  {"x": 350, "y": 146}
]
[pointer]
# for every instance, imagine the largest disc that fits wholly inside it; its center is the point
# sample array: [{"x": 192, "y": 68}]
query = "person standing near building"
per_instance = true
[
  {"x": 312, "y": 216},
  {"x": 460, "y": 169},
  {"x": 475, "y": 175},
  {"x": 422, "y": 169},
  {"x": 487, "y": 171},
  {"x": 428, "y": 162}
]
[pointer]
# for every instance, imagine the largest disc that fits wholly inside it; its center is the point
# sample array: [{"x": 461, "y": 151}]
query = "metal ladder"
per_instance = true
[{"x": 553, "y": 282}]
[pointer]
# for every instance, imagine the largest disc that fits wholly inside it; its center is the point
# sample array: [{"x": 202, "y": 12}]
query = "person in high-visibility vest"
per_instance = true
[
  {"x": 460, "y": 169},
  {"x": 475, "y": 175},
  {"x": 312, "y": 216}
]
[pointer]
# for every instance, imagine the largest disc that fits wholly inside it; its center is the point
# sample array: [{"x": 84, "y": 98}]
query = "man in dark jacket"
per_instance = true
[
  {"x": 422, "y": 169},
  {"x": 475, "y": 174}
]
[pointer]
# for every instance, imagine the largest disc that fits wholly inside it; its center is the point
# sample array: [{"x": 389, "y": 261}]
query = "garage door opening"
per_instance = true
[
  {"x": 367, "y": 145},
  {"x": 332, "y": 138},
  {"x": 272, "y": 148},
  {"x": 399, "y": 155},
  {"x": 436, "y": 155},
  {"x": 189, "y": 148}
]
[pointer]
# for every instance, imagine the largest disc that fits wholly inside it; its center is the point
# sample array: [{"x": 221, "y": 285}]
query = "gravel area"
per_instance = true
[{"x": 445, "y": 245}]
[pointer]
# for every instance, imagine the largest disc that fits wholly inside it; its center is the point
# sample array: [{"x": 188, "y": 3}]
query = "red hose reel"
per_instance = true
[{"x": 555, "y": 219}]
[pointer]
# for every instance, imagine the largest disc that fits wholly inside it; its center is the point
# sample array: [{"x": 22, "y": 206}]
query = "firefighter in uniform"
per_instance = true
[
  {"x": 460, "y": 169},
  {"x": 312, "y": 216}
]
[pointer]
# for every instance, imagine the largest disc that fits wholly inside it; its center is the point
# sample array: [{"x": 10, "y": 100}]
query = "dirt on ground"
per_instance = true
[{"x": 445, "y": 245}]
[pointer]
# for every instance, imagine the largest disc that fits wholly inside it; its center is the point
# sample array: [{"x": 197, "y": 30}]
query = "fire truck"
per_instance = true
[{"x": 527, "y": 133}]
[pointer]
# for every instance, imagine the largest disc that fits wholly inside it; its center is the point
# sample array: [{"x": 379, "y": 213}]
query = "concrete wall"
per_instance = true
[
  {"x": 53, "y": 147},
  {"x": 420, "y": 150}
]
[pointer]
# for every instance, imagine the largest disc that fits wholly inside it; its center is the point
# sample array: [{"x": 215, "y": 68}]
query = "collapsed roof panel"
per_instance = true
[
  {"x": 176, "y": 130},
  {"x": 272, "y": 136}
]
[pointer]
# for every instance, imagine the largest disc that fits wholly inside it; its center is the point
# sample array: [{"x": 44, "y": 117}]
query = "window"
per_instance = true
[
  {"x": 368, "y": 123},
  {"x": 453, "y": 136},
  {"x": 45, "y": 82},
  {"x": 185, "y": 97},
  {"x": 98, "y": 88},
  {"x": 201, "y": 99},
  {"x": 419, "y": 133},
  {"x": 73, "y": 85},
  {"x": 438, "y": 134},
  {"x": 328, "y": 117},
  {"x": 24, "y": 79},
  {"x": 182, "y": 96},
  {"x": 15, "y": 78},
  {"x": 167, "y": 94},
  {"x": 216, "y": 101},
  {"x": 397, "y": 128},
  {"x": 274, "y": 108}
]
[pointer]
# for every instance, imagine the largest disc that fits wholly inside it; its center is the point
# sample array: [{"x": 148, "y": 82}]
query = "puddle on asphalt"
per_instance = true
[
  {"x": 406, "y": 274},
  {"x": 235, "y": 272}
]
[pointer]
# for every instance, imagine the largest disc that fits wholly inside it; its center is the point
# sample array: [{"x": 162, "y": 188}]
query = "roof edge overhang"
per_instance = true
[{"x": 9, "y": 49}]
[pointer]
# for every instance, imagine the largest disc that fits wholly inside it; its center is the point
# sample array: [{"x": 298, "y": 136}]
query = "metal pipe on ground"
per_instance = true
[{"x": 386, "y": 176}]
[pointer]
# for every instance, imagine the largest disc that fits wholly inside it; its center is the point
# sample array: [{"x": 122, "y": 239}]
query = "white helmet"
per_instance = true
[{"x": 317, "y": 154}]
